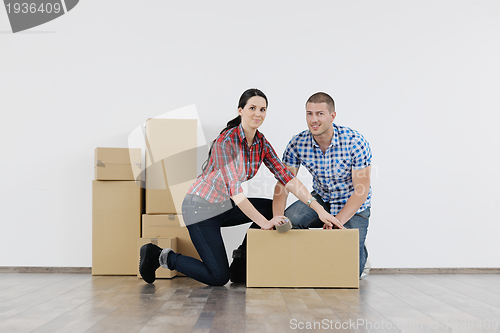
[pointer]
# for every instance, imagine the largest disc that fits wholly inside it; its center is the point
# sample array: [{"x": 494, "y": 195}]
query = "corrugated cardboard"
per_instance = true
[
  {"x": 170, "y": 163},
  {"x": 117, "y": 163},
  {"x": 116, "y": 225},
  {"x": 164, "y": 243},
  {"x": 154, "y": 226},
  {"x": 303, "y": 258}
]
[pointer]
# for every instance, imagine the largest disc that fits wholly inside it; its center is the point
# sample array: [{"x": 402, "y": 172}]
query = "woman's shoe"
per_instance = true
[{"x": 149, "y": 263}]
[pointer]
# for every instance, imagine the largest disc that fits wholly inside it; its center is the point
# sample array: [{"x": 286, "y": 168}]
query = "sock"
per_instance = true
[{"x": 163, "y": 258}]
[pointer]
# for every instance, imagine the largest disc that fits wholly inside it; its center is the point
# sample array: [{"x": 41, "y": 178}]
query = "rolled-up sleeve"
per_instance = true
[
  {"x": 273, "y": 163},
  {"x": 227, "y": 160},
  {"x": 361, "y": 154},
  {"x": 290, "y": 156}
]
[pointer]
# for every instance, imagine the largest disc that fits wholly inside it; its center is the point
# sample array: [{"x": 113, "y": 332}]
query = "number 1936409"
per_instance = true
[{"x": 33, "y": 8}]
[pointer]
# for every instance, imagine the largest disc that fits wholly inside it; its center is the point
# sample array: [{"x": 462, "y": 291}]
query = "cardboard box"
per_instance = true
[
  {"x": 171, "y": 146},
  {"x": 116, "y": 225},
  {"x": 117, "y": 163},
  {"x": 303, "y": 258},
  {"x": 156, "y": 226},
  {"x": 171, "y": 243}
]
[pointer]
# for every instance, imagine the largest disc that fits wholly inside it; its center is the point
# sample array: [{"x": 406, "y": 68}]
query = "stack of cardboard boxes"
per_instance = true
[
  {"x": 120, "y": 226},
  {"x": 117, "y": 205},
  {"x": 170, "y": 171}
]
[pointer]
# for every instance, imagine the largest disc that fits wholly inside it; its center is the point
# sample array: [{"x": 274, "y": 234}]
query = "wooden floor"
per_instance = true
[{"x": 384, "y": 303}]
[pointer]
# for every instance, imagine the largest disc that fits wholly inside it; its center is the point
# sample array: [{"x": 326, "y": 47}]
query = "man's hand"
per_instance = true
[{"x": 330, "y": 221}]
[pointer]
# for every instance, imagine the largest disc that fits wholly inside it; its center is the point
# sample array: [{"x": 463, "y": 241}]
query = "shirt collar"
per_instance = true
[
  {"x": 335, "y": 138},
  {"x": 243, "y": 139}
]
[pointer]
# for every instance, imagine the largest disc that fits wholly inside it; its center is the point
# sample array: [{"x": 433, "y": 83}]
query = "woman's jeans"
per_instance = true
[
  {"x": 303, "y": 217},
  {"x": 204, "y": 220}
]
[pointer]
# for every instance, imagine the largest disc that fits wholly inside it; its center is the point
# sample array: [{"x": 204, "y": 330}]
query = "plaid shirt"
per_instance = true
[
  {"x": 331, "y": 171},
  {"x": 233, "y": 162}
]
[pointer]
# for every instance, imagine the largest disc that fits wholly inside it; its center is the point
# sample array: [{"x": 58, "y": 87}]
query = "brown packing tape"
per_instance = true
[
  {"x": 164, "y": 221},
  {"x": 284, "y": 227},
  {"x": 181, "y": 219},
  {"x": 154, "y": 241}
]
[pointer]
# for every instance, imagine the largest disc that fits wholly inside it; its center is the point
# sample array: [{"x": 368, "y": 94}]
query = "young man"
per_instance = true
[{"x": 339, "y": 159}]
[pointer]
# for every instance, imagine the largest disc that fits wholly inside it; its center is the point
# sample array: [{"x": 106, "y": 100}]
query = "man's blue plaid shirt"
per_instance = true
[{"x": 332, "y": 171}]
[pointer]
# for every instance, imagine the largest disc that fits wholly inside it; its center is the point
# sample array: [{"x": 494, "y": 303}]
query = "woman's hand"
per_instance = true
[
  {"x": 330, "y": 221},
  {"x": 277, "y": 220}
]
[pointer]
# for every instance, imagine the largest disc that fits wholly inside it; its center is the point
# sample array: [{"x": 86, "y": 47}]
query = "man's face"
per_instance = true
[{"x": 319, "y": 119}]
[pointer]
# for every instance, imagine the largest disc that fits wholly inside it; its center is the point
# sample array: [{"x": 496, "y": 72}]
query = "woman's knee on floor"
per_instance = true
[{"x": 220, "y": 280}]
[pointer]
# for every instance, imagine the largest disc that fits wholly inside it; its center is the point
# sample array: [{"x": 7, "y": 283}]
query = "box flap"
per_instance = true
[{"x": 105, "y": 156}]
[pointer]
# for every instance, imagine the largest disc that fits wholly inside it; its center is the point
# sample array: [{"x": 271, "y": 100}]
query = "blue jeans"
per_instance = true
[
  {"x": 303, "y": 217},
  {"x": 213, "y": 269}
]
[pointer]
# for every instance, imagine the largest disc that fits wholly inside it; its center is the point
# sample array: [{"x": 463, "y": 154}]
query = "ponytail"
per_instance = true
[{"x": 230, "y": 124}]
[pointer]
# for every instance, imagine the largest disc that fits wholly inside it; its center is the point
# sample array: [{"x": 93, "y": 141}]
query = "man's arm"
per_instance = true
[
  {"x": 281, "y": 194},
  {"x": 361, "y": 182}
]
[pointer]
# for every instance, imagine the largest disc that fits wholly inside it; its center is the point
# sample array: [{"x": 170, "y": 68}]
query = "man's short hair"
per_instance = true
[{"x": 321, "y": 97}]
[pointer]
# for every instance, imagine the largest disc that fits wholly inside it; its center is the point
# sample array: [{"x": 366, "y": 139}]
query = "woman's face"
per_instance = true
[{"x": 254, "y": 112}]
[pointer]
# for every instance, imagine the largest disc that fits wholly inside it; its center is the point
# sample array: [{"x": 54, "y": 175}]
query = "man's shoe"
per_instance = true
[
  {"x": 366, "y": 270},
  {"x": 238, "y": 268},
  {"x": 149, "y": 263}
]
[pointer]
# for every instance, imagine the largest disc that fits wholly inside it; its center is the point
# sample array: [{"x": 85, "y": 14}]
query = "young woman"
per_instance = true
[{"x": 216, "y": 198}]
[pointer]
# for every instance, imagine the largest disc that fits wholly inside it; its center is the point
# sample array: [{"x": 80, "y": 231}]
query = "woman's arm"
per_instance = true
[{"x": 249, "y": 210}]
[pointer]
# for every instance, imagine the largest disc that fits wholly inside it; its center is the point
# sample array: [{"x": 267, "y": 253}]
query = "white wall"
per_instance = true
[{"x": 418, "y": 78}]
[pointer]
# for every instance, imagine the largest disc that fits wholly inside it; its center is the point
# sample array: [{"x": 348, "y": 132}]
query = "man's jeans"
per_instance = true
[
  {"x": 207, "y": 238},
  {"x": 303, "y": 217}
]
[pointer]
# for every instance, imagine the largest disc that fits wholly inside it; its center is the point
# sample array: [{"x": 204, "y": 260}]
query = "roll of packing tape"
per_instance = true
[{"x": 284, "y": 227}]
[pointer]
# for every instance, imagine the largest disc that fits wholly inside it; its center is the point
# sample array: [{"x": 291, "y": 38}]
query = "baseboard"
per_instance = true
[
  {"x": 459, "y": 270},
  {"x": 83, "y": 270},
  {"x": 88, "y": 270}
]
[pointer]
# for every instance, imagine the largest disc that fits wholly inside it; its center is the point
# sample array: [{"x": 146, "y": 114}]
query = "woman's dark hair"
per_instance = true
[{"x": 249, "y": 93}]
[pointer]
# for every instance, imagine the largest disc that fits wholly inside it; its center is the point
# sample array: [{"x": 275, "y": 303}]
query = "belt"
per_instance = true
[{"x": 193, "y": 198}]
